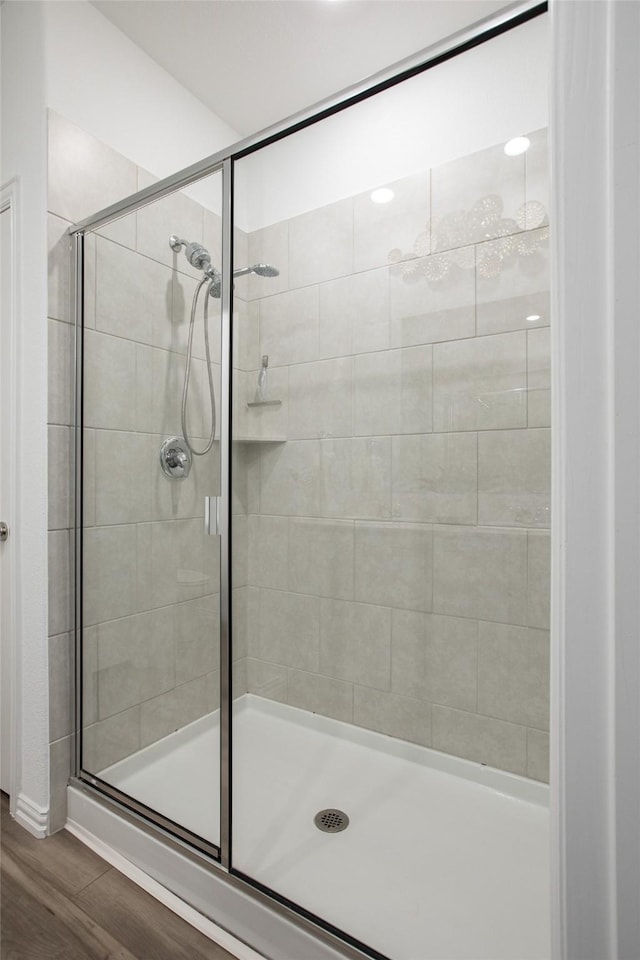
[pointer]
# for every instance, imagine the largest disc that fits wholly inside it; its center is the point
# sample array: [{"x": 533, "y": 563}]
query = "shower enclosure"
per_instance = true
[{"x": 313, "y": 507}]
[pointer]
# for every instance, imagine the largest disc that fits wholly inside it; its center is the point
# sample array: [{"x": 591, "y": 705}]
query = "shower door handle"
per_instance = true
[{"x": 212, "y": 516}]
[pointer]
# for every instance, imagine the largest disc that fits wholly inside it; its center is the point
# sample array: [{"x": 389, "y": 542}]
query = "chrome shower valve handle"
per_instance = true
[{"x": 175, "y": 459}]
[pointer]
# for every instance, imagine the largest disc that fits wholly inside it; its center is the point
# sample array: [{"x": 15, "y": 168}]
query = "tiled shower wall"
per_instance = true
[
  {"x": 151, "y": 577},
  {"x": 390, "y": 543},
  {"x": 397, "y": 543}
]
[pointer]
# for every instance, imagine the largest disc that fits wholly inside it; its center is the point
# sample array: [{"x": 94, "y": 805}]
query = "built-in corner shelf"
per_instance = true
[{"x": 265, "y": 403}]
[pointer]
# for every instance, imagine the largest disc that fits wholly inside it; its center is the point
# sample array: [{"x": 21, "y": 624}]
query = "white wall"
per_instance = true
[
  {"x": 24, "y": 157},
  {"x": 491, "y": 94}
]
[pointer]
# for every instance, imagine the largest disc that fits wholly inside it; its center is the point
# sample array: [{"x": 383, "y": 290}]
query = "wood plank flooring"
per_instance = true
[{"x": 60, "y": 901}]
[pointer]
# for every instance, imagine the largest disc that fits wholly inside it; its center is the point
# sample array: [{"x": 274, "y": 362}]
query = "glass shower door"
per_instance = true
[
  {"x": 151, "y": 573},
  {"x": 391, "y": 513}
]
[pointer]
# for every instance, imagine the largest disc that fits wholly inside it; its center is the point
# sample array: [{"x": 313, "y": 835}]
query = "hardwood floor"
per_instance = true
[{"x": 60, "y": 901}]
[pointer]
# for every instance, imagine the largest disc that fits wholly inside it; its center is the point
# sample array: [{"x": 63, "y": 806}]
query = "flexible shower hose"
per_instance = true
[{"x": 187, "y": 372}]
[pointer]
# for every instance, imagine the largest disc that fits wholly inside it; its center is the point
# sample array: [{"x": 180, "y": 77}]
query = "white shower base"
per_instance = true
[{"x": 443, "y": 859}]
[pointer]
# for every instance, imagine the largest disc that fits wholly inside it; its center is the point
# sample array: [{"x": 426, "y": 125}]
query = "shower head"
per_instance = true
[
  {"x": 261, "y": 269},
  {"x": 197, "y": 255}
]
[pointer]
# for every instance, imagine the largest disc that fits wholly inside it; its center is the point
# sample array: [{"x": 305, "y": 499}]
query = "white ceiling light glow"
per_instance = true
[
  {"x": 513, "y": 148},
  {"x": 383, "y": 195},
  {"x": 533, "y": 317}
]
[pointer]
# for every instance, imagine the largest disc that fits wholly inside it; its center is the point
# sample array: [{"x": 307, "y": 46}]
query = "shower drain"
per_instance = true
[{"x": 331, "y": 820}]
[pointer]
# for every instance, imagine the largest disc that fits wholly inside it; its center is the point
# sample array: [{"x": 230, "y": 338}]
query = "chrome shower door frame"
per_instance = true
[{"x": 223, "y": 161}]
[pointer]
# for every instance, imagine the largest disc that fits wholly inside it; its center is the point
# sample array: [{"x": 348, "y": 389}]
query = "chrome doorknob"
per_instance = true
[{"x": 4, "y": 531}]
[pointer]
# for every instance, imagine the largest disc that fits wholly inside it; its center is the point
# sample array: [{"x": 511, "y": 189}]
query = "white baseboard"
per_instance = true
[
  {"x": 33, "y": 818},
  {"x": 211, "y": 930}
]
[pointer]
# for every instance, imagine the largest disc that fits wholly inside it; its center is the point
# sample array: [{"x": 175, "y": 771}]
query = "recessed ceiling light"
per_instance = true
[
  {"x": 513, "y": 148},
  {"x": 383, "y": 195},
  {"x": 533, "y": 317}
]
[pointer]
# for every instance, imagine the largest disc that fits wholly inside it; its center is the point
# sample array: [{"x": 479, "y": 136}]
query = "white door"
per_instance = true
[{"x": 6, "y": 407}]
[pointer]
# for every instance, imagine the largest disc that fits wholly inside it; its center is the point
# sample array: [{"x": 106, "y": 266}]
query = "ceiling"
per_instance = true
[{"x": 254, "y": 62}]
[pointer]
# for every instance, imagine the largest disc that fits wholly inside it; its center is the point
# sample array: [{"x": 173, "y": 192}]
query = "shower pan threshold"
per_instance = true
[{"x": 443, "y": 859}]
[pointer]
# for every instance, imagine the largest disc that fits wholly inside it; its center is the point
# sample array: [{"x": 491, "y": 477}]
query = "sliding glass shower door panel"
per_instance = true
[
  {"x": 391, "y": 513},
  {"x": 151, "y": 572}
]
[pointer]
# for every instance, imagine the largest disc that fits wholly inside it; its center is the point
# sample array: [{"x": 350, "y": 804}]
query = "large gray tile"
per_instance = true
[
  {"x": 110, "y": 382},
  {"x": 513, "y": 279},
  {"x": 539, "y": 377},
  {"x": 133, "y": 293},
  {"x": 514, "y": 478},
  {"x": 268, "y": 245},
  {"x": 239, "y": 684},
  {"x": 513, "y": 674},
  {"x": 89, "y": 478},
  {"x": 289, "y": 479},
  {"x": 135, "y": 660},
  {"x": 111, "y": 740},
  {"x": 321, "y": 557},
  {"x": 212, "y": 226},
  {"x": 480, "y": 573},
  {"x": 321, "y": 244},
  {"x": 239, "y": 551},
  {"x": 355, "y": 478},
  {"x": 123, "y": 477},
  {"x": 394, "y": 564},
  {"x": 491, "y": 742},
  {"x": 480, "y": 384},
  {"x": 266, "y": 421},
  {"x": 538, "y": 755},
  {"x": 268, "y": 680},
  {"x": 268, "y": 552},
  {"x": 85, "y": 175},
  {"x": 61, "y": 686},
  {"x": 173, "y": 710},
  {"x": 289, "y": 326},
  {"x": 323, "y": 695},
  {"x": 435, "y": 658},
  {"x": 476, "y": 197},
  {"x": 384, "y": 231},
  {"x": 59, "y": 246},
  {"x": 197, "y": 637},
  {"x": 159, "y": 387},
  {"x": 110, "y": 575},
  {"x": 539, "y": 579},
  {"x": 393, "y": 392},
  {"x": 89, "y": 675},
  {"x": 178, "y": 570},
  {"x": 320, "y": 399},
  {"x": 60, "y": 464},
  {"x": 355, "y": 643},
  {"x": 433, "y": 299},
  {"x": 246, "y": 334},
  {"x": 164, "y": 498},
  {"x": 177, "y": 215},
  {"x": 245, "y": 620},
  {"x": 171, "y": 329},
  {"x": 60, "y": 582},
  {"x": 60, "y": 372},
  {"x": 402, "y": 717},
  {"x": 354, "y": 314},
  {"x": 289, "y": 631},
  {"x": 89, "y": 280},
  {"x": 435, "y": 478}
]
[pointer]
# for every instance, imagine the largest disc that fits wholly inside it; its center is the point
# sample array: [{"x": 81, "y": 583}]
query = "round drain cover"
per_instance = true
[{"x": 331, "y": 820}]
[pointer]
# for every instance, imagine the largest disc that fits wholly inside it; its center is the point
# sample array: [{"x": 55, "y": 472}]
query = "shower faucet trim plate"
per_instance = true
[{"x": 175, "y": 459}]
